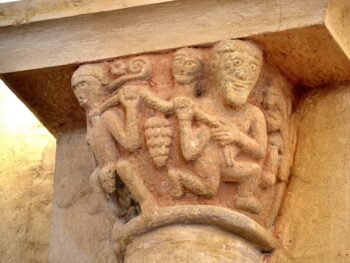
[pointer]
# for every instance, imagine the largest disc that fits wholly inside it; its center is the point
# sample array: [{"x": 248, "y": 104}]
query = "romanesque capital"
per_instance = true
[{"x": 191, "y": 144}]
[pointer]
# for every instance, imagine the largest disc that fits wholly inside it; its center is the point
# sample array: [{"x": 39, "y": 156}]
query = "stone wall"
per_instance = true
[
  {"x": 314, "y": 222},
  {"x": 27, "y": 155}
]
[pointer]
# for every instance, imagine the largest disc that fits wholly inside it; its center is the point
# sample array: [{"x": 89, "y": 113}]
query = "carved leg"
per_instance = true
[
  {"x": 246, "y": 174},
  {"x": 106, "y": 153},
  {"x": 268, "y": 177},
  {"x": 240, "y": 172},
  {"x": 246, "y": 199},
  {"x": 132, "y": 180},
  {"x": 181, "y": 179},
  {"x": 102, "y": 143},
  {"x": 107, "y": 177}
]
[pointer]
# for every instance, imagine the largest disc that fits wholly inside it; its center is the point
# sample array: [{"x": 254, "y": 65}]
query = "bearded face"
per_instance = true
[
  {"x": 185, "y": 69},
  {"x": 236, "y": 75}
]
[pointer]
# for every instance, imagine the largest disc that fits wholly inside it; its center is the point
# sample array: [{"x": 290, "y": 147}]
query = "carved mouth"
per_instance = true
[{"x": 183, "y": 75}]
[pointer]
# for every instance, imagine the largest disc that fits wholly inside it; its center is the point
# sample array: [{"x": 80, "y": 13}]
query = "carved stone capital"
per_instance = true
[{"x": 200, "y": 137}]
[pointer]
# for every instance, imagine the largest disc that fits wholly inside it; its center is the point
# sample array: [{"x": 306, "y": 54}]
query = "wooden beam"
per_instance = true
[{"x": 140, "y": 29}]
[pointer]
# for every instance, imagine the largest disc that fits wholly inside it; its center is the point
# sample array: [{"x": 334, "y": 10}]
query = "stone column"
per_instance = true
[{"x": 193, "y": 234}]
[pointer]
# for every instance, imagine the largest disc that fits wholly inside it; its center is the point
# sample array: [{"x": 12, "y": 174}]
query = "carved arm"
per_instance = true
[
  {"x": 156, "y": 103},
  {"x": 126, "y": 134},
  {"x": 192, "y": 141},
  {"x": 109, "y": 103},
  {"x": 254, "y": 144},
  {"x": 130, "y": 100}
]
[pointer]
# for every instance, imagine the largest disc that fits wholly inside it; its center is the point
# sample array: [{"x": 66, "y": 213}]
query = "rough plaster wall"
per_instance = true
[
  {"x": 27, "y": 155},
  {"x": 315, "y": 223}
]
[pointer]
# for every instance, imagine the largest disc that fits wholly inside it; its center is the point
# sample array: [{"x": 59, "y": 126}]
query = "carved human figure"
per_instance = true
[
  {"x": 187, "y": 67},
  {"x": 275, "y": 107},
  {"x": 91, "y": 86},
  {"x": 236, "y": 66},
  {"x": 281, "y": 140}
]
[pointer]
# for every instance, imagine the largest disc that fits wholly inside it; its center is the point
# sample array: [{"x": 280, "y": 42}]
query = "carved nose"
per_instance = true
[{"x": 241, "y": 75}]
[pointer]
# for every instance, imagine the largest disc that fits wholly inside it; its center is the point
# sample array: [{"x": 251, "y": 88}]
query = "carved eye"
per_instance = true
[
  {"x": 253, "y": 66},
  {"x": 177, "y": 62},
  {"x": 237, "y": 62},
  {"x": 81, "y": 84}
]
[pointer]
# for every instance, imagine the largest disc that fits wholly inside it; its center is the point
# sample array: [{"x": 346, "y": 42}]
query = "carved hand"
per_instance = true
[
  {"x": 183, "y": 108},
  {"x": 129, "y": 96},
  {"x": 95, "y": 112},
  {"x": 107, "y": 178},
  {"x": 225, "y": 134}
]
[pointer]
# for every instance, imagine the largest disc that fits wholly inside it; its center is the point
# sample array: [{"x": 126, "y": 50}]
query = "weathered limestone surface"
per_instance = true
[
  {"x": 314, "y": 225},
  {"x": 191, "y": 243},
  {"x": 192, "y": 136},
  {"x": 27, "y": 160},
  {"x": 82, "y": 219},
  {"x": 156, "y": 166}
]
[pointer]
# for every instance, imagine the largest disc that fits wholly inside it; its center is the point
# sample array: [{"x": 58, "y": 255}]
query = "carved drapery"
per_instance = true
[{"x": 194, "y": 136}]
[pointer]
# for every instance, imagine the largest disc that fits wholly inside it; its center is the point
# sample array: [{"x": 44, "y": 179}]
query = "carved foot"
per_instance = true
[
  {"x": 133, "y": 181},
  {"x": 107, "y": 178},
  {"x": 249, "y": 204},
  {"x": 183, "y": 179},
  {"x": 177, "y": 188}
]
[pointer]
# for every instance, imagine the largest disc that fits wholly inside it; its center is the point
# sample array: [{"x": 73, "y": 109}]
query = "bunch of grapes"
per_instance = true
[{"x": 158, "y": 134}]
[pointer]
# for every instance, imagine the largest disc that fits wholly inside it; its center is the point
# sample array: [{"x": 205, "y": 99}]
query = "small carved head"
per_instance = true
[
  {"x": 275, "y": 105},
  {"x": 89, "y": 82},
  {"x": 187, "y": 65},
  {"x": 236, "y": 66}
]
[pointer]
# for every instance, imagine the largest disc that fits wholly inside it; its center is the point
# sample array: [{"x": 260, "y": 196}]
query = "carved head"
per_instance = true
[
  {"x": 187, "y": 65},
  {"x": 88, "y": 83},
  {"x": 236, "y": 66},
  {"x": 275, "y": 106}
]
